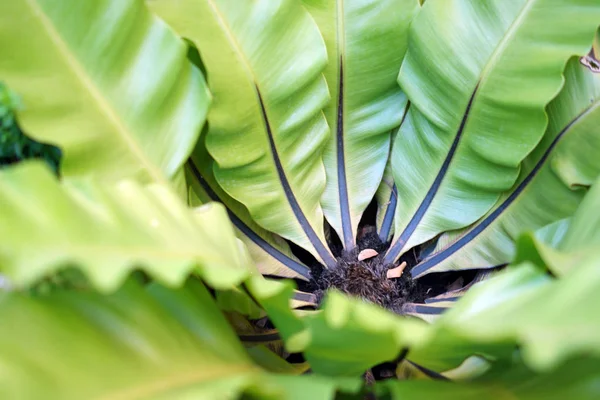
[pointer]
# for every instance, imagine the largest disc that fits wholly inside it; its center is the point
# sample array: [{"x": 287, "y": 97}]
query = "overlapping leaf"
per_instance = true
[
  {"x": 574, "y": 380},
  {"x": 271, "y": 254},
  {"x": 478, "y": 92},
  {"x": 136, "y": 343},
  {"x": 107, "y": 82},
  {"x": 15, "y": 146},
  {"x": 549, "y": 188},
  {"x": 367, "y": 102},
  {"x": 570, "y": 249},
  {"x": 371, "y": 335},
  {"x": 387, "y": 200},
  {"x": 264, "y": 61},
  {"x": 109, "y": 230},
  {"x": 551, "y": 320}
]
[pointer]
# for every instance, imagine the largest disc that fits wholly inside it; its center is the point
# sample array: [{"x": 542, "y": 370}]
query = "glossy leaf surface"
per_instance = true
[
  {"x": 109, "y": 230},
  {"x": 367, "y": 103},
  {"x": 264, "y": 61},
  {"x": 478, "y": 92},
  {"x": 551, "y": 184},
  {"x": 107, "y": 82}
]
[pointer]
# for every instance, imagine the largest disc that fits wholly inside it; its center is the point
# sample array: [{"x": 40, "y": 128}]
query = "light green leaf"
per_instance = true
[
  {"x": 574, "y": 380},
  {"x": 136, "y": 343},
  {"x": 578, "y": 244},
  {"x": 479, "y": 75},
  {"x": 108, "y": 231},
  {"x": 107, "y": 82},
  {"x": 275, "y": 297},
  {"x": 549, "y": 320},
  {"x": 266, "y": 129},
  {"x": 387, "y": 194},
  {"x": 387, "y": 200},
  {"x": 128, "y": 345},
  {"x": 366, "y": 42},
  {"x": 550, "y": 186},
  {"x": 370, "y": 335},
  {"x": 552, "y": 320},
  {"x": 584, "y": 229},
  {"x": 552, "y": 234},
  {"x": 316, "y": 387},
  {"x": 271, "y": 254}
]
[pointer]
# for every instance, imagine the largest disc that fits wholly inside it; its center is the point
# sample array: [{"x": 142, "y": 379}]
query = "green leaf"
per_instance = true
[
  {"x": 583, "y": 233},
  {"x": 370, "y": 335},
  {"x": 315, "y": 387},
  {"x": 552, "y": 320},
  {"x": 108, "y": 231},
  {"x": 457, "y": 335},
  {"x": 275, "y": 297},
  {"x": 550, "y": 186},
  {"x": 271, "y": 254},
  {"x": 107, "y": 82},
  {"x": 578, "y": 244},
  {"x": 574, "y": 380},
  {"x": 136, "y": 343},
  {"x": 387, "y": 194},
  {"x": 366, "y": 42},
  {"x": 479, "y": 76},
  {"x": 552, "y": 234},
  {"x": 266, "y": 129},
  {"x": 15, "y": 146},
  {"x": 123, "y": 346},
  {"x": 549, "y": 320},
  {"x": 387, "y": 201}
]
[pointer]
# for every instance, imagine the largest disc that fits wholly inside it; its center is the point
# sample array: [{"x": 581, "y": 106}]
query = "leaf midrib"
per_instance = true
[
  {"x": 308, "y": 231},
  {"x": 246, "y": 230},
  {"x": 103, "y": 105},
  {"x": 485, "y": 72},
  {"x": 506, "y": 203},
  {"x": 348, "y": 238},
  {"x": 398, "y": 244}
]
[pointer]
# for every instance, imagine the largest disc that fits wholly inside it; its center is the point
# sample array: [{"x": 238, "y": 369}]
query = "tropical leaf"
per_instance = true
[
  {"x": 15, "y": 146},
  {"x": 264, "y": 61},
  {"x": 367, "y": 102},
  {"x": 108, "y": 231},
  {"x": 371, "y": 335},
  {"x": 584, "y": 228},
  {"x": 270, "y": 252},
  {"x": 107, "y": 82},
  {"x": 549, "y": 187},
  {"x": 136, "y": 343},
  {"x": 427, "y": 312},
  {"x": 180, "y": 185},
  {"x": 577, "y": 243},
  {"x": 387, "y": 200},
  {"x": 552, "y": 234},
  {"x": 478, "y": 91},
  {"x": 549, "y": 320},
  {"x": 387, "y": 195},
  {"x": 573, "y": 380},
  {"x": 358, "y": 323}
]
